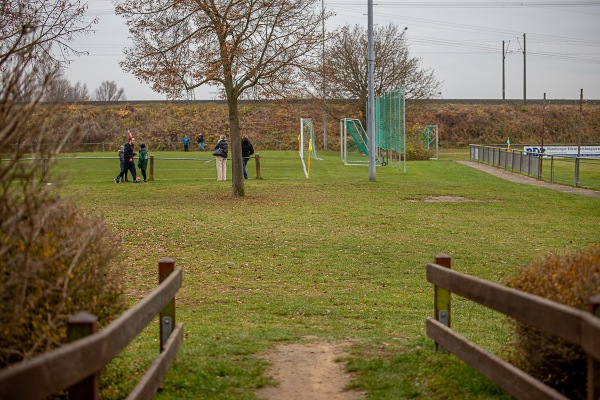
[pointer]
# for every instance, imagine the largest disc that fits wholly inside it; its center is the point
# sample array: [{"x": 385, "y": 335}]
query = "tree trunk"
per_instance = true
[{"x": 235, "y": 143}]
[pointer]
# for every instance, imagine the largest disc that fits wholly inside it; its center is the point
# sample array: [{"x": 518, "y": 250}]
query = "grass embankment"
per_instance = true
[{"x": 334, "y": 257}]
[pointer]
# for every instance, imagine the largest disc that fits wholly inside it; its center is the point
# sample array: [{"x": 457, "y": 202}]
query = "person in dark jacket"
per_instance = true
[
  {"x": 222, "y": 159},
  {"x": 128, "y": 153},
  {"x": 247, "y": 151},
  {"x": 122, "y": 166},
  {"x": 143, "y": 160}
]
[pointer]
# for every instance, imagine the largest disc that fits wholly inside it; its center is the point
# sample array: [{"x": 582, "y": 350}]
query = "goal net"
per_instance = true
[
  {"x": 428, "y": 136},
  {"x": 306, "y": 144},
  {"x": 354, "y": 143}
]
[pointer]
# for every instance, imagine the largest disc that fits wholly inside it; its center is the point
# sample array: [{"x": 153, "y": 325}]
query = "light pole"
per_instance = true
[
  {"x": 371, "y": 95},
  {"x": 323, "y": 77}
]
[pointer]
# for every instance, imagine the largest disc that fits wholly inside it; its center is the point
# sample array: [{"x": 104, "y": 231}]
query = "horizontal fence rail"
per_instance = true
[
  {"x": 576, "y": 326},
  {"x": 64, "y": 367}
]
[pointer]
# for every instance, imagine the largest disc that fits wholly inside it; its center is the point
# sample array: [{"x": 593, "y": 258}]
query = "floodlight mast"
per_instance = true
[{"x": 371, "y": 95}]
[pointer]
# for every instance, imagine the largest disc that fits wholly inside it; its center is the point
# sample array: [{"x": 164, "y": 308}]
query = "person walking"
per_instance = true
[
  {"x": 143, "y": 160},
  {"x": 122, "y": 166},
  {"x": 128, "y": 153},
  {"x": 221, "y": 158},
  {"x": 201, "y": 142},
  {"x": 247, "y": 151},
  {"x": 186, "y": 143}
]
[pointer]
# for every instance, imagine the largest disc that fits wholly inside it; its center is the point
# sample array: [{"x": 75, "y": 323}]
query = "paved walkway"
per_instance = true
[{"x": 518, "y": 178}]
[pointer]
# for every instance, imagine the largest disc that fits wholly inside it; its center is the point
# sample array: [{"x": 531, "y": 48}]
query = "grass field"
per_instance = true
[{"x": 335, "y": 257}]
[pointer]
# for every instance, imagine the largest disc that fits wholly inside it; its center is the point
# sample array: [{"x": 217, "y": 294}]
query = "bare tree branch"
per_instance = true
[{"x": 346, "y": 66}]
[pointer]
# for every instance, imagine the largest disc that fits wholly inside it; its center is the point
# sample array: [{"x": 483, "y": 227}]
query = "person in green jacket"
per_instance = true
[{"x": 143, "y": 160}]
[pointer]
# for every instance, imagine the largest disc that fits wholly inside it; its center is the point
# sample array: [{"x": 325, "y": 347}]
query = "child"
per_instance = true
[
  {"x": 143, "y": 160},
  {"x": 123, "y": 166}
]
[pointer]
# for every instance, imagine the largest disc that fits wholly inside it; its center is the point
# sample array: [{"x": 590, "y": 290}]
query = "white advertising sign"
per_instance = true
[{"x": 570, "y": 151}]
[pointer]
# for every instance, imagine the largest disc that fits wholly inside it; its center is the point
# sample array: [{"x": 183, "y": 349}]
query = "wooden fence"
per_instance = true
[
  {"x": 75, "y": 366},
  {"x": 576, "y": 326}
]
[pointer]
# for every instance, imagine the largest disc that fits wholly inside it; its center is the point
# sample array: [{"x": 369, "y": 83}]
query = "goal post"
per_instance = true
[
  {"x": 429, "y": 136},
  {"x": 306, "y": 144},
  {"x": 354, "y": 143}
]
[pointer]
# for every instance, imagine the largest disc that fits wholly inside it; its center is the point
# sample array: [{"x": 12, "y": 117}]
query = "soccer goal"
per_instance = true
[
  {"x": 428, "y": 135},
  {"x": 306, "y": 144},
  {"x": 354, "y": 143}
]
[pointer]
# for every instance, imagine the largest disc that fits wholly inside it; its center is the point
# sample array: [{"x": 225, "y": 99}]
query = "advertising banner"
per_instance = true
[{"x": 567, "y": 151}]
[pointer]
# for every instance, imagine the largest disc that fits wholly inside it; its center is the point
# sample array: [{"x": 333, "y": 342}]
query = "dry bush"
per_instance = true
[
  {"x": 54, "y": 259},
  {"x": 569, "y": 279}
]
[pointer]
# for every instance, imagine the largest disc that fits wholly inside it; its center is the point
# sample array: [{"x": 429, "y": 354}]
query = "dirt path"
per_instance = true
[
  {"x": 308, "y": 371},
  {"x": 518, "y": 178}
]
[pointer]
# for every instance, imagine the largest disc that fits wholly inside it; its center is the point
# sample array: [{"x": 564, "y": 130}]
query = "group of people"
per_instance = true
[
  {"x": 247, "y": 151},
  {"x": 126, "y": 155},
  {"x": 186, "y": 142}
]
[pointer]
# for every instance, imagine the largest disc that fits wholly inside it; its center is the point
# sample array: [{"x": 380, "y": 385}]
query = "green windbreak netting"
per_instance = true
[{"x": 389, "y": 121}]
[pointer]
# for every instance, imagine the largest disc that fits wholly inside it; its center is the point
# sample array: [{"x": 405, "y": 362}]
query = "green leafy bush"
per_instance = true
[{"x": 570, "y": 279}]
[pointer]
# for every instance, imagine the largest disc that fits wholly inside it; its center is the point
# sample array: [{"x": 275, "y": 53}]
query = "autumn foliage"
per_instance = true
[
  {"x": 274, "y": 125},
  {"x": 569, "y": 279}
]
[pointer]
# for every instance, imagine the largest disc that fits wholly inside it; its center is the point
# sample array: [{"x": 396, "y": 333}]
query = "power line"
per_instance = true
[{"x": 477, "y": 4}]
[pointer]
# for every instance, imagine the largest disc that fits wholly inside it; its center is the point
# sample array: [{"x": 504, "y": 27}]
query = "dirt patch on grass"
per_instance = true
[
  {"x": 308, "y": 371},
  {"x": 444, "y": 199}
]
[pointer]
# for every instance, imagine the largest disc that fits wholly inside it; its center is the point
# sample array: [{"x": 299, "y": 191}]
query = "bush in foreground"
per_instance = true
[
  {"x": 54, "y": 259},
  {"x": 570, "y": 279}
]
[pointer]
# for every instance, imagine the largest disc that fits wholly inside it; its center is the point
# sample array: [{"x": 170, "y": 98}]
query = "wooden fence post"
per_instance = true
[
  {"x": 166, "y": 319},
  {"x": 79, "y": 326},
  {"x": 441, "y": 296},
  {"x": 257, "y": 160},
  {"x": 593, "y": 378},
  {"x": 151, "y": 177}
]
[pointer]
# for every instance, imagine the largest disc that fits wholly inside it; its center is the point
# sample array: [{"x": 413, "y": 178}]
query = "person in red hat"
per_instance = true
[{"x": 128, "y": 154}]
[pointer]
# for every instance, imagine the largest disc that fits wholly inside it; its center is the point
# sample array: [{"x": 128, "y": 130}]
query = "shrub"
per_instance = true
[
  {"x": 570, "y": 279},
  {"x": 54, "y": 259}
]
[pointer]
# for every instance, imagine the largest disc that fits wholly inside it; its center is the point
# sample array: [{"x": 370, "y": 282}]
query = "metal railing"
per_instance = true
[{"x": 565, "y": 170}]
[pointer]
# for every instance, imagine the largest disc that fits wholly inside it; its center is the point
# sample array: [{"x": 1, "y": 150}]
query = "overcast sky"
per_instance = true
[{"x": 461, "y": 41}]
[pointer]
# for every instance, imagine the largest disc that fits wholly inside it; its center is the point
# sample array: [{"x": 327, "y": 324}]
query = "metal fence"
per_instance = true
[{"x": 571, "y": 171}]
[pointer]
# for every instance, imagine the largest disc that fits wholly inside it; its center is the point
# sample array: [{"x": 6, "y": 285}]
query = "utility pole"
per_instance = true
[
  {"x": 524, "y": 73},
  {"x": 323, "y": 77},
  {"x": 371, "y": 95},
  {"x": 580, "y": 123},
  {"x": 503, "y": 82},
  {"x": 542, "y": 148}
]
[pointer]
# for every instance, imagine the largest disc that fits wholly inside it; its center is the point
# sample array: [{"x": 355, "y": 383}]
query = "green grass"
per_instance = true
[
  {"x": 562, "y": 171},
  {"x": 334, "y": 256}
]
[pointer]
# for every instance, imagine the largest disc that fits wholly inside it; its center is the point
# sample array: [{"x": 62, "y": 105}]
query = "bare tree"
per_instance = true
[
  {"x": 61, "y": 90},
  {"x": 252, "y": 48},
  {"x": 346, "y": 66},
  {"x": 108, "y": 91},
  {"x": 45, "y": 29}
]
